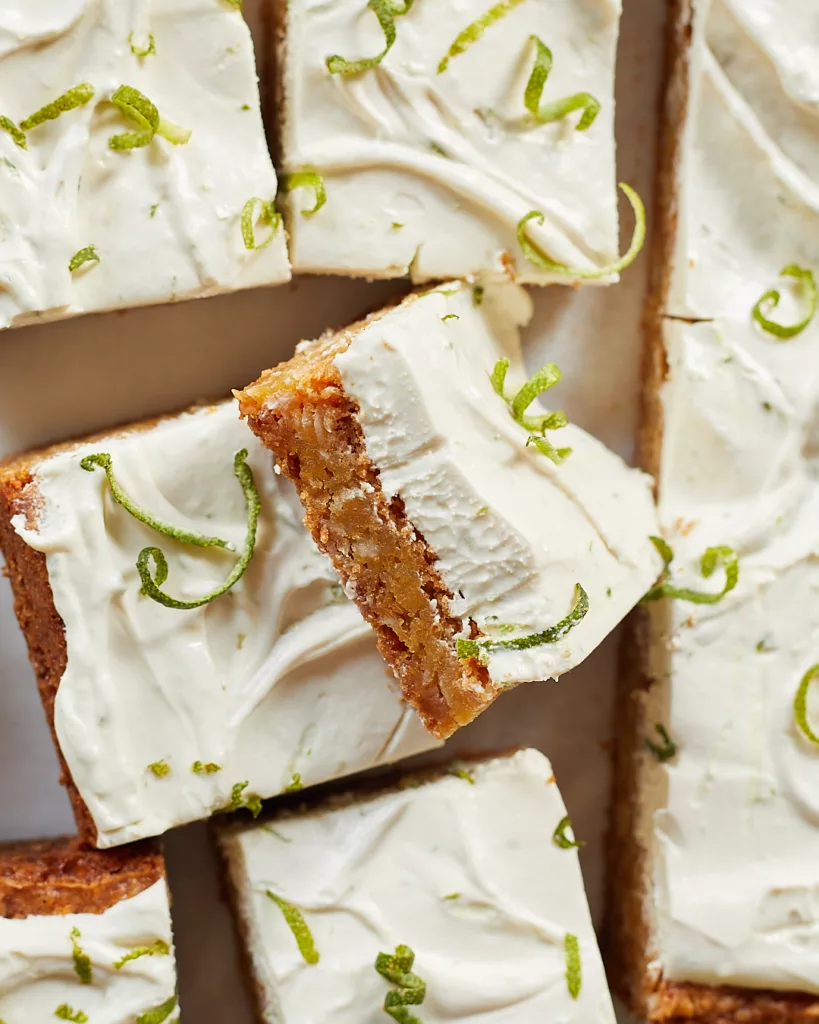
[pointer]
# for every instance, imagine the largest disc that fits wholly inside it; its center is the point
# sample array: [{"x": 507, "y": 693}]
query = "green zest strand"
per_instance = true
[
  {"x": 298, "y": 926},
  {"x": 18, "y": 137},
  {"x": 151, "y": 585},
  {"x": 66, "y": 1012},
  {"x": 267, "y": 215},
  {"x": 770, "y": 300},
  {"x": 136, "y": 107},
  {"x": 386, "y": 11},
  {"x": 546, "y": 377},
  {"x": 159, "y": 948},
  {"x": 158, "y": 1014},
  {"x": 666, "y": 749},
  {"x": 82, "y": 962},
  {"x": 559, "y": 837},
  {"x": 307, "y": 179},
  {"x": 711, "y": 558},
  {"x": 104, "y": 461},
  {"x": 574, "y": 972},
  {"x": 205, "y": 768},
  {"x": 87, "y": 255},
  {"x": 800, "y": 704},
  {"x": 239, "y": 800},
  {"x": 410, "y": 990},
  {"x": 472, "y": 33},
  {"x": 142, "y": 51},
  {"x": 559, "y": 108},
  {"x": 71, "y": 100},
  {"x": 539, "y": 259},
  {"x": 474, "y": 648}
]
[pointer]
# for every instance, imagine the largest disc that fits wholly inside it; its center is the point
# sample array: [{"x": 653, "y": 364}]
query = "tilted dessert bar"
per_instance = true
[
  {"x": 133, "y": 161},
  {"x": 716, "y": 840},
  {"x": 484, "y": 554},
  {"x": 85, "y": 935},
  {"x": 440, "y": 140},
  {"x": 455, "y": 897},
  {"x": 185, "y": 685}
]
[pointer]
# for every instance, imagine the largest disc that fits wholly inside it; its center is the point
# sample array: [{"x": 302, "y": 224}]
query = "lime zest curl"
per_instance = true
[
  {"x": 158, "y": 1014},
  {"x": 473, "y": 32},
  {"x": 546, "y": 377},
  {"x": 136, "y": 107},
  {"x": 574, "y": 971},
  {"x": 81, "y": 960},
  {"x": 75, "y": 97},
  {"x": 66, "y": 1012},
  {"x": 386, "y": 11},
  {"x": 666, "y": 749},
  {"x": 307, "y": 179},
  {"x": 539, "y": 259},
  {"x": 410, "y": 989},
  {"x": 299, "y": 927},
  {"x": 559, "y": 837},
  {"x": 475, "y": 648},
  {"x": 268, "y": 216},
  {"x": 142, "y": 51},
  {"x": 720, "y": 555},
  {"x": 18, "y": 137},
  {"x": 87, "y": 255},
  {"x": 770, "y": 300},
  {"x": 159, "y": 948},
  {"x": 800, "y": 704},
  {"x": 151, "y": 585},
  {"x": 557, "y": 109}
]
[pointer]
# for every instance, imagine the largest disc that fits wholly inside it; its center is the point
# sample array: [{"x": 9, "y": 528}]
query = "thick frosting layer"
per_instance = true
[
  {"x": 513, "y": 532},
  {"x": 467, "y": 876},
  {"x": 278, "y": 677},
  {"x": 38, "y": 974},
  {"x": 429, "y": 173},
  {"x": 165, "y": 219},
  {"x": 737, "y": 838}
]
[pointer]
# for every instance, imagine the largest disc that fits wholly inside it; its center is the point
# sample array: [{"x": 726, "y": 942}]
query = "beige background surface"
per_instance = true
[{"x": 62, "y": 380}]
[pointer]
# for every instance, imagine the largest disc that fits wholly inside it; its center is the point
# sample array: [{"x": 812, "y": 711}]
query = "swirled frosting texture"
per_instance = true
[
  {"x": 737, "y": 883},
  {"x": 278, "y": 677},
  {"x": 467, "y": 875},
  {"x": 37, "y": 973},
  {"x": 165, "y": 219},
  {"x": 512, "y": 531},
  {"x": 430, "y": 173}
]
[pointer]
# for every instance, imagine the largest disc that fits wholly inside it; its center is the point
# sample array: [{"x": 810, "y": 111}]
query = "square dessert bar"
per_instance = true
[
  {"x": 451, "y": 897},
  {"x": 483, "y": 554},
  {"x": 418, "y": 138},
  {"x": 85, "y": 935},
  {"x": 133, "y": 162},
  {"x": 171, "y": 692},
  {"x": 715, "y": 844}
]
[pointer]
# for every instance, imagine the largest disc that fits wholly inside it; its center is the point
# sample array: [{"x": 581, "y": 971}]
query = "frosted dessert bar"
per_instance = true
[
  {"x": 177, "y": 683},
  {"x": 133, "y": 161},
  {"x": 715, "y": 872},
  {"x": 487, "y": 541},
  {"x": 440, "y": 140},
  {"x": 85, "y": 935},
  {"x": 455, "y": 897}
]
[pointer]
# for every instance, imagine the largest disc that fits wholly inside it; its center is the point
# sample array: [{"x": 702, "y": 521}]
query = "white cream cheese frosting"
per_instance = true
[
  {"x": 513, "y": 532},
  {"x": 279, "y": 677},
  {"x": 37, "y": 967},
  {"x": 429, "y": 174},
  {"x": 165, "y": 219},
  {"x": 467, "y": 875},
  {"x": 736, "y": 840}
]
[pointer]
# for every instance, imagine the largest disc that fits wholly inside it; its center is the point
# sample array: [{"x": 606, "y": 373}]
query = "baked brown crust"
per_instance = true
[
  {"x": 34, "y": 606},
  {"x": 54, "y": 877},
  {"x": 301, "y": 412},
  {"x": 627, "y": 935}
]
